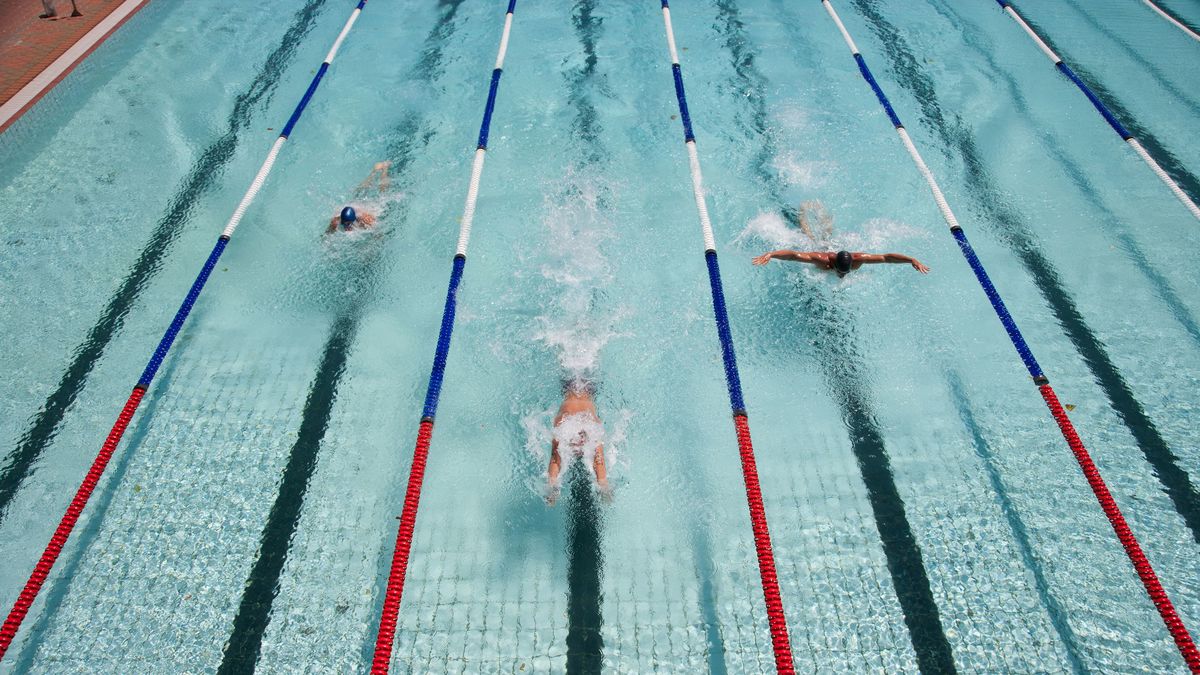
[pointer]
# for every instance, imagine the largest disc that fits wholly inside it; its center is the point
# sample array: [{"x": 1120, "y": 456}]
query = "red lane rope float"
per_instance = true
[
  {"x": 776, "y": 620},
  {"x": 408, "y": 521},
  {"x": 1166, "y": 610},
  {"x": 762, "y": 546},
  {"x": 42, "y": 570},
  {"x": 388, "y": 618},
  {"x": 1179, "y": 632},
  {"x": 50, "y": 555}
]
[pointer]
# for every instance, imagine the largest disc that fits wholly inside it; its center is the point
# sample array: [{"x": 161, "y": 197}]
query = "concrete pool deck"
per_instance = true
[{"x": 36, "y": 54}]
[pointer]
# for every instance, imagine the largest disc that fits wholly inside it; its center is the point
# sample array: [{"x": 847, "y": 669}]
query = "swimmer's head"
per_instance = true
[
  {"x": 843, "y": 263},
  {"x": 348, "y": 217},
  {"x": 579, "y": 440}
]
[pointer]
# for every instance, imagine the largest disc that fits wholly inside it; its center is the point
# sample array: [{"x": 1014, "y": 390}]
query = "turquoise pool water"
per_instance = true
[{"x": 920, "y": 498}]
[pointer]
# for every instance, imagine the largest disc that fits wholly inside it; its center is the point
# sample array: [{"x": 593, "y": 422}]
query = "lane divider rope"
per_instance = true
[
  {"x": 1178, "y": 24},
  {"x": 44, "y": 565},
  {"x": 1103, "y": 110},
  {"x": 1170, "y": 617},
  {"x": 758, "y": 517},
  {"x": 412, "y": 497}
]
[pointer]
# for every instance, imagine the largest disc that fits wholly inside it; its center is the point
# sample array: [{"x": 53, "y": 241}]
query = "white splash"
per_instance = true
[
  {"x": 576, "y": 324},
  {"x": 577, "y": 271},
  {"x": 875, "y": 235}
]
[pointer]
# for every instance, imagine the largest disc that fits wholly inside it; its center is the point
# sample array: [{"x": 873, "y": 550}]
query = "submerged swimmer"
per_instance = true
[
  {"x": 578, "y": 406},
  {"x": 842, "y": 262},
  {"x": 360, "y": 219}
]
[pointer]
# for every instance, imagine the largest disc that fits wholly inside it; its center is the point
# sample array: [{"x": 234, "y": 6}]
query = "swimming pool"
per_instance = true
[{"x": 922, "y": 503}]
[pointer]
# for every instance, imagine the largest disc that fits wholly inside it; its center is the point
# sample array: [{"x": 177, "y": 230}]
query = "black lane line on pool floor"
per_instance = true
[
  {"x": 585, "y": 558},
  {"x": 1155, "y": 72},
  {"x": 1170, "y": 163},
  {"x": 1014, "y": 232},
  {"x": 200, "y": 180},
  {"x": 1112, "y": 225},
  {"x": 1058, "y": 616},
  {"x": 64, "y": 580},
  {"x": 840, "y": 364},
  {"x": 242, "y": 651},
  {"x": 1192, "y": 26},
  {"x": 585, "y": 645}
]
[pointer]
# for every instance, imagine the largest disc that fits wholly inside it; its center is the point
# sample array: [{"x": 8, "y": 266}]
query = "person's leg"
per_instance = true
[
  {"x": 824, "y": 219},
  {"x": 385, "y": 178},
  {"x": 802, "y": 221},
  {"x": 47, "y": 5}
]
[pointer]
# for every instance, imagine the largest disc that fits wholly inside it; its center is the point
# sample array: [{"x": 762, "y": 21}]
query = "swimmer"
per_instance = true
[
  {"x": 842, "y": 262},
  {"x": 577, "y": 401},
  {"x": 354, "y": 219}
]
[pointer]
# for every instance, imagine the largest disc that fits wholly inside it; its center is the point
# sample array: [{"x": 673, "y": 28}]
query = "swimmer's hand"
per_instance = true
[
  {"x": 606, "y": 492},
  {"x": 763, "y": 259},
  {"x": 382, "y": 166},
  {"x": 920, "y": 266},
  {"x": 553, "y": 489}
]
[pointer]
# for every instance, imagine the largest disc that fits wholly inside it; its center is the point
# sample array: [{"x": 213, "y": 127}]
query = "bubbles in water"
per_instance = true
[
  {"x": 576, "y": 324},
  {"x": 805, "y": 174}
]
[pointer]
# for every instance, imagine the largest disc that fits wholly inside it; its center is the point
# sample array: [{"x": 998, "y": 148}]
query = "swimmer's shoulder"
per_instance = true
[{"x": 576, "y": 404}]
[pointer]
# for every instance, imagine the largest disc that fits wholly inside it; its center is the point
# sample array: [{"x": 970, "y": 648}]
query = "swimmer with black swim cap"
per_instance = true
[{"x": 842, "y": 262}]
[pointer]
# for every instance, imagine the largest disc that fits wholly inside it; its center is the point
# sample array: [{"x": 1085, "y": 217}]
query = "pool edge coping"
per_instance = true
[{"x": 57, "y": 70}]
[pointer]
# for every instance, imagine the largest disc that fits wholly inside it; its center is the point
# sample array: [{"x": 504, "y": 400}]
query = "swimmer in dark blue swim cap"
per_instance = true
[
  {"x": 842, "y": 262},
  {"x": 351, "y": 218}
]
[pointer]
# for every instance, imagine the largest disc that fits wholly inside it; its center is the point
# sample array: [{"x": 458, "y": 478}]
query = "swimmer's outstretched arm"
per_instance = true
[
  {"x": 333, "y": 223},
  {"x": 870, "y": 258},
  {"x": 794, "y": 256}
]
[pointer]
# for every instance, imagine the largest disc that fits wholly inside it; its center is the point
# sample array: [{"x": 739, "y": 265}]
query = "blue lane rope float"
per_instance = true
[
  {"x": 776, "y": 620},
  {"x": 408, "y": 517},
  {"x": 1103, "y": 110},
  {"x": 1175, "y": 22},
  {"x": 1170, "y": 617},
  {"x": 42, "y": 570}
]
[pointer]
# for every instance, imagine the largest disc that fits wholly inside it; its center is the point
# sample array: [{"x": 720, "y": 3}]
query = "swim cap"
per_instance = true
[
  {"x": 844, "y": 262},
  {"x": 348, "y": 215}
]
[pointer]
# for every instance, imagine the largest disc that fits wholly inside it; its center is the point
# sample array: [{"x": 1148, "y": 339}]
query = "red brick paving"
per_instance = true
[{"x": 29, "y": 44}]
